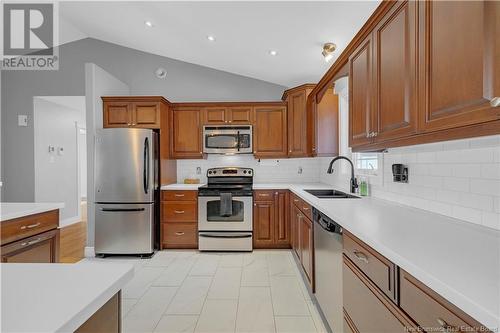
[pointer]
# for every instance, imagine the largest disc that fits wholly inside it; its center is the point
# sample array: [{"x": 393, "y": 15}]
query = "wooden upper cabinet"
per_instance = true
[
  {"x": 133, "y": 111},
  {"x": 186, "y": 134},
  {"x": 360, "y": 94},
  {"x": 298, "y": 134},
  {"x": 270, "y": 132},
  {"x": 459, "y": 63},
  {"x": 394, "y": 58},
  {"x": 215, "y": 115},
  {"x": 240, "y": 115},
  {"x": 227, "y": 115},
  {"x": 117, "y": 114},
  {"x": 325, "y": 115}
]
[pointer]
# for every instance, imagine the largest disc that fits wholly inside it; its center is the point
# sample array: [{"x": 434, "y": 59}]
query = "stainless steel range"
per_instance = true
[{"x": 225, "y": 210}]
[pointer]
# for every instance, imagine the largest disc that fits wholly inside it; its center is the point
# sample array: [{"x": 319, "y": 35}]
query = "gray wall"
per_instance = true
[{"x": 184, "y": 82}]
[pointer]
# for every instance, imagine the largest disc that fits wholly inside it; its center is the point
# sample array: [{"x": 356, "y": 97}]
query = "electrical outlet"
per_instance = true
[
  {"x": 299, "y": 170},
  {"x": 22, "y": 120}
]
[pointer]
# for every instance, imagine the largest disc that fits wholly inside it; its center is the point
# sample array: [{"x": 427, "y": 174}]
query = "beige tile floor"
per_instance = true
[{"x": 189, "y": 291}]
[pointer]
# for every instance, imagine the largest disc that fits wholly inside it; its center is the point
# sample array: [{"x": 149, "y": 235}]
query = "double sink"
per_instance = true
[{"x": 331, "y": 194}]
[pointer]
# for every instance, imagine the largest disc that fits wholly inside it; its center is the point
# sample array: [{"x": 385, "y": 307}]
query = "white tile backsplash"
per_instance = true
[
  {"x": 458, "y": 178},
  {"x": 284, "y": 170}
]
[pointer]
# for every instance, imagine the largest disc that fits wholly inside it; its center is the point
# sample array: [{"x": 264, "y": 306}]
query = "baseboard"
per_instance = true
[
  {"x": 89, "y": 252},
  {"x": 69, "y": 221}
]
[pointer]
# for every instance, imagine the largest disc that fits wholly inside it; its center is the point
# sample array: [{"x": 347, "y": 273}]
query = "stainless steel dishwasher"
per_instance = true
[{"x": 328, "y": 269}]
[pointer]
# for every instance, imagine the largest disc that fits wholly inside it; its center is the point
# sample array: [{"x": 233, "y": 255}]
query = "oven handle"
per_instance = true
[
  {"x": 238, "y": 140},
  {"x": 225, "y": 235}
]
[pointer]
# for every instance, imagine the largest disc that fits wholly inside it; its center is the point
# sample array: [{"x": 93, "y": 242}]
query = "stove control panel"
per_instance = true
[{"x": 230, "y": 172}]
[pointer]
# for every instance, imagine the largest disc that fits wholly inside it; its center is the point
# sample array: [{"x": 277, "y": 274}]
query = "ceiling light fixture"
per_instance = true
[
  {"x": 328, "y": 49},
  {"x": 273, "y": 52},
  {"x": 211, "y": 38},
  {"x": 149, "y": 24}
]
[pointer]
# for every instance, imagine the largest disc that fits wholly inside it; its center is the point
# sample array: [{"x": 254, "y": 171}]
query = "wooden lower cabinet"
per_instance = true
[
  {"x": 105, "y": 320},
  {"x": 179, "y": 220},
  {"x": 41, "y": 248},
  {"x": 271, "y": 225},
  {"x": 73, "y": 239},
  {"x": 367, "y": 309},
  {"x": 306, "y": 246}
]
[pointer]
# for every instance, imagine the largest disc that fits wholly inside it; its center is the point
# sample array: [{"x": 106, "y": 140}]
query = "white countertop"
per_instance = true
[
  {"x": 12, "y": 210},
  {"x": 57, "y": 297},
  {"x": 458, "y": 260}
]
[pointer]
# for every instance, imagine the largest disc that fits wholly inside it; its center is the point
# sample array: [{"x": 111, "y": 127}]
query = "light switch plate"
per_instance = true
[{"x": 22, "y": 120}]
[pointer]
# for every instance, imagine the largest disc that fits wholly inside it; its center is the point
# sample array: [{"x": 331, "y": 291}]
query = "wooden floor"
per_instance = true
[{"x": 73, "y": 239}]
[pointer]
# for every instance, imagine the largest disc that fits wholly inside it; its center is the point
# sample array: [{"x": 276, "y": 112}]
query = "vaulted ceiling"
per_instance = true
[{"x": 245, "y": 32}]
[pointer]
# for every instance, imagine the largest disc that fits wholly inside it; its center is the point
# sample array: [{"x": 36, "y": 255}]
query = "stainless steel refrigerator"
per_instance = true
[{"x": 126, "y": 191}]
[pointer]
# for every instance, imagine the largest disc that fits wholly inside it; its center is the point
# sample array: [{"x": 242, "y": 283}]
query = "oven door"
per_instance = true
[{"x": 209, "y": 218}]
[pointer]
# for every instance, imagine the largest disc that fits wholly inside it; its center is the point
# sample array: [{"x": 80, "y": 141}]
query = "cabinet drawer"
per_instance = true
[
  {"x": 180, "y": 235},
  {"x": 179, "y": 195},
  {"x": 41, "y": 248},
  {"x": 379, "y": 269},
  {"x": 264, "y": 195},
  {"x": 431, "y": 311},
  {"x": 179, "y": 211},
  {"x": 29, "y": 225},
  {"x": 303, "y": 206},
  {"x": 366, "y": 308}
]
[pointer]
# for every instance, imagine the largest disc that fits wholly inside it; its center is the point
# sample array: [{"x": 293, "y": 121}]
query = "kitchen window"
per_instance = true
[{"x": 367, "y": 163}]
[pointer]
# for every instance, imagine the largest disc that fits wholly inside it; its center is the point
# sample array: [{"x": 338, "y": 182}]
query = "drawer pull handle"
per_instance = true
[
  {"x": 178, "y": 211},
  {"x": 295, "y": 200},
  {"x": 31, "y": 242},
  {"x": 179, "y": 195},
  {"x": 361, "y": 256},
  {"x": 31, "y": 226},
  {"x": 305, "y": 208},
  {"x": 179, "y": 233},
  {"x": 263, "y": 195},
  {"x": 444, "y": 325}
]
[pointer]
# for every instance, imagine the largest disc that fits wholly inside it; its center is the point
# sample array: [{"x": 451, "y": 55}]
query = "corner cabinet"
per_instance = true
[
  {"x": 133, "y": 111},
  {"x": 186, "y": 133},
  {"x": 271, "y": 225},
  {"x": 270, "y": 131}
]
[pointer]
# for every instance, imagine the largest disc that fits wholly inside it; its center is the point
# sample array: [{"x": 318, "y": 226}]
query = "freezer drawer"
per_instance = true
[{"x": 124, "y": 228}]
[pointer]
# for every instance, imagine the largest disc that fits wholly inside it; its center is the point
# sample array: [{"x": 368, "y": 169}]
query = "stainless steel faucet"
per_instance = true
[{"x": 354, "y": 181}]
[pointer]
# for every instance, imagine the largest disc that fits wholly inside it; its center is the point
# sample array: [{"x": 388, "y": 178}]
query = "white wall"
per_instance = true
[
  {"x": 286, "y": 170},
  {"x": 458, "y": 178},
  {"x": 98, "y": 83},
  {"x": 56, "y": 174}
]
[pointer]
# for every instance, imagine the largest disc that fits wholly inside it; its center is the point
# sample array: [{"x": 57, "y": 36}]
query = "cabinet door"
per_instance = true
[
  {"x": 240, "y": 115},
  {"x": 117, "y": 114},
  {"x": 146, "y": 114},
  {"x": 41, "y": 248},
  {"x": 459, "y": 69},
  {"x": 263, "y": 224},
  {"x": 297, "y": 124},
  {"x": 282, "y": 227},
  {"x": 394, "y": 61},
  {"x": 186, "y": 134},
  {"x": 360, "y": 99},
  {"x": 270, "y": 128},
  {"x": 306, "y": 246},
  {"x": 369, "y": 310},
  {"x": 294, "y": 224},
  {"x": 216, "y": 115},
  {"x": 325, "y": 141}
]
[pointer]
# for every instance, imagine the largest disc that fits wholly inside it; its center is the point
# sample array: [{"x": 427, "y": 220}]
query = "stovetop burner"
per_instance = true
[{"x": 237, "y": 181}]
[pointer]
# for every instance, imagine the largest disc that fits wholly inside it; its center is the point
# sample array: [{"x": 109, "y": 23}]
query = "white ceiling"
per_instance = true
[{"x": 245, "y": 32}]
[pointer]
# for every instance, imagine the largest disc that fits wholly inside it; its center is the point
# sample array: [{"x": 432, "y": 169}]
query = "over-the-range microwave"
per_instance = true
[{"x": 227, "y": 139}]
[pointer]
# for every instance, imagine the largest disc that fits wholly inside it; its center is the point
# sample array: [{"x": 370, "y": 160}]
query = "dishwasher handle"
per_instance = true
[{"x": 326, "y": 223}]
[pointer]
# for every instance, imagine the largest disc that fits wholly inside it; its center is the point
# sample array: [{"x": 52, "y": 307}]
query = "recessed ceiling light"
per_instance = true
[
  {"x": 211, "y": 38},
  {"x": 273, "y": 52},
  {"x": 149, "y": 24},
  {"x": 327, "y": 52}
]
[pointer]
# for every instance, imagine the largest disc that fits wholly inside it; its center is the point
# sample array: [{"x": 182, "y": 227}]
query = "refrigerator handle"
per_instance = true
[{"x": 145, "y": 173}]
